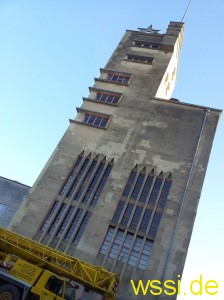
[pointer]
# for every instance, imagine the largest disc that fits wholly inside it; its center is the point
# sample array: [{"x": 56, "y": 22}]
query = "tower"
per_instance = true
[{"x": 122, "y": 187}]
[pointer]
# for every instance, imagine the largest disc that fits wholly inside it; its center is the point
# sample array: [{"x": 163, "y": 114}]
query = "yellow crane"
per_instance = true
[{"x": 30, "y": 270}]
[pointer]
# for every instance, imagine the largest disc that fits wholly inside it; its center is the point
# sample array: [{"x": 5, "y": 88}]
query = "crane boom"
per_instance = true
[{"x": 93, "y": 277}]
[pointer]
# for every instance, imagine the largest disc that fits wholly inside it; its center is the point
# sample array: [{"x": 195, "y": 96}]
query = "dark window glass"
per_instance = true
[
  {"x": 118, "y": 211},
  {"x": 155, "y": 224},
  {"x": 129, "y": 184},
  {"x": 65, "y": 221},
  {"x": 101, "y": 185},
  {"x": 164, "y": 193},
  {"x": 138, "y": 186},
  {"x": 107, "y": 240},
  {"x": 57, "y": 218},
  {"x": 144, "y": 44},
  {"x": 155, "y": 191},
  {"x": 136, "y": 217},
  {"x": 141, "y": 59},
  {"x": 145, "y": 220},
  {"x": 82, "y": 227},
  {"x": 46, "y": 222},
  {"x": 145, "y": 255},
  {"x": 71, "y": 176},
  {"x": 135, "y": 251},
  {"x": 107, "y": 98},
  {"x": 125, "y": 248},
  {"x": 93, "y": 183},
  {"x": 116, "y": 244},
  {"x": 85, "y": 181},
  {"x": 118, "y": 78},
  {"x": 127, "y": 213},
  {"x": 54, "y": 285},
  {"x": 146, "y": 189},
  {"x": 75, "y": 183},
  {"x": 95, "y": 120},
  {"x": 73, "y": 224},
  {"x": 122, "y": 245}
]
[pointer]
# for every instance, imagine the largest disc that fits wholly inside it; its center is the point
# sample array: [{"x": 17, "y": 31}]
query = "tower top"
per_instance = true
[{"x": 149, "y": 30}]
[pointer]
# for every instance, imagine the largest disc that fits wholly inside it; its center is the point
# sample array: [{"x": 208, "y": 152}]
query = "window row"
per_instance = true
[
  {"x": 125, "y": 247},
  {"x": 142, "y": 220},
  {"x": 147, "y": 188},
  {"x": 107, "y": 98},
  {"x": 95, "y": 120},
  {"x": 146, "y": 44},
  {"x": 88, "y": 181},
  {"x": 118, "y": 78},
  {"x": 68, "y": 224},
  {"x": 81, "y": 189},
  {"x": 140, "y": 59}
]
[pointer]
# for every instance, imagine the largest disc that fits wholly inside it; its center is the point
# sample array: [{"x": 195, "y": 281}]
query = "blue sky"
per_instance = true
[{"x": 50, "y": 52}]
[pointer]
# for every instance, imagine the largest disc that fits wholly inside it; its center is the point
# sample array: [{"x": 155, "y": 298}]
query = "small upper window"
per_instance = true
[
  {"x": 118, "y": 78},
  {"x": 145, "y": 44},
  {"x": 107, "y": 98},
  {"x": 95, "y": 120},
  {"x": 140, "y": 59}
]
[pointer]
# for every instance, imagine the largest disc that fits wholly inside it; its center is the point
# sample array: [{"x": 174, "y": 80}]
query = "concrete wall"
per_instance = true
[{"x": 11, "y": 196}]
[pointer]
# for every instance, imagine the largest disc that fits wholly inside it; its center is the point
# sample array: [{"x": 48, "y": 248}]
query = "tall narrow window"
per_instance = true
[
  {"x": 129, "y": 183},
  {"x": 81, "y": 171},
  {"x": 164, "y": 193},
  {"x": 137, "y": 216},
  {"x": 138, "y": 186},
  {"x": 155, "y": 224},
  {"x": 146, "y": 189},
  {"x": 56, "y": 219},
  {"x": 71, "y": 211},
  {"x": 82, "y": 227},
  {"x": 145, "y": 220},
  {"x": 101, "y": 185},
  {"x": 65, "y": 221},
  {"x": 47, "y": 220},
  {"x": 73, "y": 224},
  {"x": 67, "y": 182},
  {"x": 118, "y": 211},
  {"x": 85, "y": 180},
  {"x": 127, "y": 213},
  {"x": 155, "y": 191}
]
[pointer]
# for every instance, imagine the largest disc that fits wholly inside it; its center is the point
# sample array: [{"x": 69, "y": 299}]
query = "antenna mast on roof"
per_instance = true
[{"x": 186, "y": 10}]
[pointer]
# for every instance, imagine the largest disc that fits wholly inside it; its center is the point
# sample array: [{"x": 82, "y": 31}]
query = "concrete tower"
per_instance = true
[{"x": 122, "y": 187}]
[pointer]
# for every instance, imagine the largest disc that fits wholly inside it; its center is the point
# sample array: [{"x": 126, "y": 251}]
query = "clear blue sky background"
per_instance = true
[{"x": 51, "y": 50}]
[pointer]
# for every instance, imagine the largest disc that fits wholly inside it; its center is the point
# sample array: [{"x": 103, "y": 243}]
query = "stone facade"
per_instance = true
[{"x": 147, "y": 133}]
